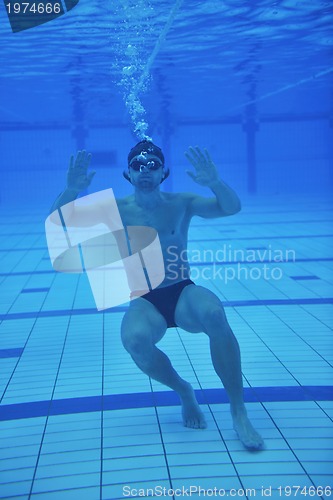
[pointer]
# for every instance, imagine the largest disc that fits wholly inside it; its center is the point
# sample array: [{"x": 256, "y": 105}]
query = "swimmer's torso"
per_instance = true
[{"x": 171, "y": 219}]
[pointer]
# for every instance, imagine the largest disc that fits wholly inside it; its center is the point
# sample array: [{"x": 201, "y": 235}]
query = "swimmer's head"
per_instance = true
[{"x": 142, "y": 156}]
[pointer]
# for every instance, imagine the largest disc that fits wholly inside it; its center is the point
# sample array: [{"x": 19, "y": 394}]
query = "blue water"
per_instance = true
[{"x": 253, "y": 85}]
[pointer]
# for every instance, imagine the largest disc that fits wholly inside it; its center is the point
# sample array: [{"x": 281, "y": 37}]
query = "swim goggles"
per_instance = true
[{"x": 139, "y": 165}]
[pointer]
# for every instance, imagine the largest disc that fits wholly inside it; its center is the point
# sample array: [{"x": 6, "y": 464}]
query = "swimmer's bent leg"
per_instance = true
[
  {"x": 141, "y": 328},
  {"x": 199, "y": 309}
]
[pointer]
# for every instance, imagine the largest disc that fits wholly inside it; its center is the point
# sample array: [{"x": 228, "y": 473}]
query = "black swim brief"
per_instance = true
[{"x": 165, "y": 299}]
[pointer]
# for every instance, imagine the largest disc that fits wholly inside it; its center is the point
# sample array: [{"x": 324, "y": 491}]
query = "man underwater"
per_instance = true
[{"x": 177, "y": 301}]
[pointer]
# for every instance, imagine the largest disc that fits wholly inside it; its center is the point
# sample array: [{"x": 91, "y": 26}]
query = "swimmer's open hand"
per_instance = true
[
  {"x": 206, "y": 173},
  {"x": 78, "y": 178}
]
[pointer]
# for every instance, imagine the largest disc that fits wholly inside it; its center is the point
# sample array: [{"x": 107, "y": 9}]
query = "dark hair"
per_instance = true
[{"x": 149, "y": 147}]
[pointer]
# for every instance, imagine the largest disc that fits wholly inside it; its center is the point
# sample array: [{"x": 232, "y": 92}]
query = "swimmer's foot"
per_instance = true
[
  {"x": 246, "y": 432},
  {"x": 192, "y": 415}
]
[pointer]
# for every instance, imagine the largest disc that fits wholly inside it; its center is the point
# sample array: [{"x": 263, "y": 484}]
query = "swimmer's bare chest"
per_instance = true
[{"x": 169, "y": 218}]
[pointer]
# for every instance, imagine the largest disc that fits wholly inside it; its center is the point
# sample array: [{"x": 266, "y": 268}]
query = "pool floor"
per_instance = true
[{"x": 78, "y": 420}]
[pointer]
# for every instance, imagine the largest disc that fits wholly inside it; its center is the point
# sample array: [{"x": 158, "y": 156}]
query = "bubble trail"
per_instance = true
[{"x": 136, "y": 83}]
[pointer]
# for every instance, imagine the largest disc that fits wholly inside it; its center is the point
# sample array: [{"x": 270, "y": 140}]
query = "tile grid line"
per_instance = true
[
  {"x": 15, "y": 249},
  {"x": 26, "y": 342},
  {"x": 306, "y": 474},
  {"x": 267, "y": 346},
  {"x": 198, "y": 264},
  {"x": 324, "y": 410},
  {"x": 120, "y": 309},
  {"x": 234, "y": 238},
  {"x": 300, "y": 337},
  {"x": 45, "y": 426},
  {"x": 51, "y": 399},
  {"x": 305, "y": 282},
  {"x": 245, "y": 212},
  {"x": 251, "y": 292},
  {"x": 262, "y": 223},
  {"x": 274, "y": 421},
  {"x": 210, "y": 409},
  {"x": 161, "y": 437},
  {"x": 315, "y": 317},
  {"x": 294, "y": 378},
  {"x": 274, "y": 285},
  {"x": 26, "y": 282},
  {"x": 88, "y": 404},
  {"x": 5, "y": 275},
  {"x": 264, "y": 407},
  {"x": 226, "y": 226},
  {"x": 101, "y": 476},
  {"x": 263, "y": 237},
  {"x": 297, "y": 261}
]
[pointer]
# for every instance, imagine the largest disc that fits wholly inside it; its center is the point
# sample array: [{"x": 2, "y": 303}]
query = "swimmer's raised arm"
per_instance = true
[
  {"x": 225, "y": 202},
  {"x": 78, "y": 179}
]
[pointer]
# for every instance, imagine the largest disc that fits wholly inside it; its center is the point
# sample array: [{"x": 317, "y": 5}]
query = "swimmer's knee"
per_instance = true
[
  {"x": 215, "y": 321},
  {"x": 215, "y": 316},
  {"x": 136, "y": 343}
]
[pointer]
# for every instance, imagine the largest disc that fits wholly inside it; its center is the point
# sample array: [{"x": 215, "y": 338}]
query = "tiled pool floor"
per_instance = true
[{"x": 78, "y": 420}]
